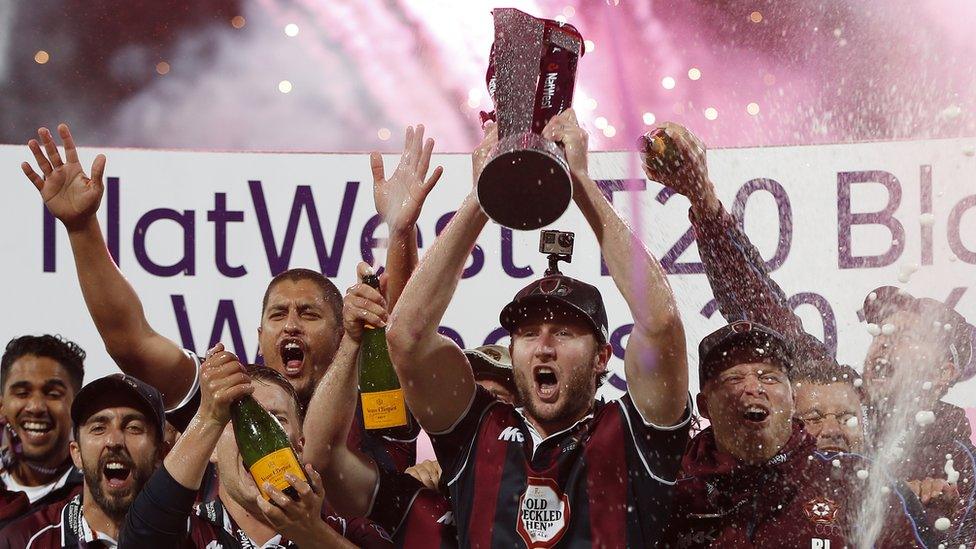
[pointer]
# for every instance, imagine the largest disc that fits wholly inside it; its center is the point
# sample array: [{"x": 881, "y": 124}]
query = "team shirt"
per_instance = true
[{"x": 607, "y": 480}]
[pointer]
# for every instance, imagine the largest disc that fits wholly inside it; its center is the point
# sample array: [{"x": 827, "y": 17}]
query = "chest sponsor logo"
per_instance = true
[
  {"x": 543, "y": 515},
  {"x": 817, "y": 543},
  {"x": 821, "y": 510},
  {"x": 511, "y": 434}
]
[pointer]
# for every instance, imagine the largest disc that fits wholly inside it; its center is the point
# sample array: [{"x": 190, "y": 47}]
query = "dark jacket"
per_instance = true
[{"x": 799, "y": 498}]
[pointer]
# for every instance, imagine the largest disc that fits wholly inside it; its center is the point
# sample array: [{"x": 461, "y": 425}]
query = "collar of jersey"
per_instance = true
[{"x": 538, "y": 439}]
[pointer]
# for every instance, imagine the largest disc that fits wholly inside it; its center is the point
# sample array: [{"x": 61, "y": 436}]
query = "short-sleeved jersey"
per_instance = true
[{"x": 605, "y": 481}]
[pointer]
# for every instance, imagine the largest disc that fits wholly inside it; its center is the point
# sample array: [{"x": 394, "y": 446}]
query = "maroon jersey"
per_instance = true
[
  {"x": 606, "y": 481},
  {"x": 799, "y": 498},
  {"x": 54, "y": 526},
  {"x": 415, "y": 516}
]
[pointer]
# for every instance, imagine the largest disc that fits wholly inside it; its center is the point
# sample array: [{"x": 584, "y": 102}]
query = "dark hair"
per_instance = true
[
  {"x": 68, "y": 354},
  {"x": 332, "y": 295},
  {"x": 272, "y": 376},
  {"x": 824, "y": 372}
]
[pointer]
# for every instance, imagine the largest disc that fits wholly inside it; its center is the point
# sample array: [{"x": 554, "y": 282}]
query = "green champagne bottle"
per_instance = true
[
  {"x": 264, "y": 447},
  {"x": 384, "y": 410}
]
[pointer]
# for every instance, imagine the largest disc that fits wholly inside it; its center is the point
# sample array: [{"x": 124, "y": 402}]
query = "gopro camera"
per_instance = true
[
  {"x": 556, "y": 242},
  {"x": 558, "y": 245}
]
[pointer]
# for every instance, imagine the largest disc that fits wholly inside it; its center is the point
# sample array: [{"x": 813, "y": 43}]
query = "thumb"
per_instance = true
[{"x": 97, "y": 170}]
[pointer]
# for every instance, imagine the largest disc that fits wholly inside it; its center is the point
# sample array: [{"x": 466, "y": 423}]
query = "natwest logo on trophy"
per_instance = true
[{"x": 543, "y": 515}]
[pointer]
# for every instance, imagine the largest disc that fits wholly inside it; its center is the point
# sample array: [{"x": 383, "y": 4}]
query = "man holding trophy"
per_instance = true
[{"x": 563, "y": 466}]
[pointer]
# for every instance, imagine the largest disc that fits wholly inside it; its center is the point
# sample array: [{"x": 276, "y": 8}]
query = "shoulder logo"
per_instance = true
[
  {"x": 821, "y": 510},
  {"x": 511, "y": 434},
  {"x": 543, "y": 515}
]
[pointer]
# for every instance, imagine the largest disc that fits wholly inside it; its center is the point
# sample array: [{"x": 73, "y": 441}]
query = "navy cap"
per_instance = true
[
  {"x": 887, "y": 300},
  {"x": 739, "y": 342},
  {"x": 91, "y": 399},
  {"x": 563, "y": 292}
]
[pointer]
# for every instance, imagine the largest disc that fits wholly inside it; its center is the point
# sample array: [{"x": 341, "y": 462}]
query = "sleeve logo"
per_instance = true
[{"x": 543, "y": 514}]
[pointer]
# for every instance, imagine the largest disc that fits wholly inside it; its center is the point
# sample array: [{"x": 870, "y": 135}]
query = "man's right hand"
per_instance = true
[
  {"x": 67, "y": 191},
  {"x": 222, "y": 382},
  {"x": 675, "y": 157},
  {"x": 428, "y": 472},
  {"x": 362, "y": 305}
]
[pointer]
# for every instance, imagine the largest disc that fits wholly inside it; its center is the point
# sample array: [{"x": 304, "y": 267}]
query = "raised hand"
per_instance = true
[
  {"x": 362, "y": 305},
  {"x": 675, "y": 158},
  {"x": 67, "y": 191},
  {"x": 398, "y": 200},
  {"x": 565, "y": 130},
  {"x": 222, "y": 382}
]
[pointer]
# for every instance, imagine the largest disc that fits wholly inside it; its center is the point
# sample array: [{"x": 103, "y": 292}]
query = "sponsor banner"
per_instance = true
[{"x": 200, "y": 234}]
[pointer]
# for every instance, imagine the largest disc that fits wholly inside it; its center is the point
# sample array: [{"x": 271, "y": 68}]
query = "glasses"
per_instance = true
[{"x": 817, "y": 418}]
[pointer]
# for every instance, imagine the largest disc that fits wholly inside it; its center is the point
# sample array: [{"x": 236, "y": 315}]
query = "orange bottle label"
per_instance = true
[
  {"x": 272, "y": 468},
  {"x": 384, "y": 409}
]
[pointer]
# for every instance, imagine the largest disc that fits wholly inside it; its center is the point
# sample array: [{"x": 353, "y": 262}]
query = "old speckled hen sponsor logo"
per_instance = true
[{"x": 543, "y": 515}]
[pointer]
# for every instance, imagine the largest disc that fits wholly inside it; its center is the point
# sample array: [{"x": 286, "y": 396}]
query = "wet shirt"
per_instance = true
[
  {"x": 799, "y": 498},
  {"x": 605, "y": 481},
  {"x": 58, "y": 525}
]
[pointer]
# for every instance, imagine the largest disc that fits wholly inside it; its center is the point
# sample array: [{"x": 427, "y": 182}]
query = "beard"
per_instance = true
[
  {"x": 115, "y": 506},
  {"x": 577, "y": 393}
]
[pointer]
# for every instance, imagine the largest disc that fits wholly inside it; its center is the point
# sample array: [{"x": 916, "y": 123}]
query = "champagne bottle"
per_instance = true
[
  {"x": 384, "y": 410},
  {"x": 264, "y": 447}
]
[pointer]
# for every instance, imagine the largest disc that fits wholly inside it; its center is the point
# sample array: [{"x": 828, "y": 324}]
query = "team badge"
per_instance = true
[
  {"x": 543, "y": 515},
  {"x": 821, "y": 510}
]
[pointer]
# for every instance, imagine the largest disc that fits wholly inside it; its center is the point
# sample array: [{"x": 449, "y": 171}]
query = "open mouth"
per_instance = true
[
  {"x": 546, "y": 383},
  {"x": 755, "y": 414},
  {"x": 116, "y": 473},
  {"x": 36, "y": 429},
  {"x": 292, "y": 356}
]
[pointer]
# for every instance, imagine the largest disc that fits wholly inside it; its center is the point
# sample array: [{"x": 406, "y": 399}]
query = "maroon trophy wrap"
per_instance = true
[{"x": 525, "y": 183}]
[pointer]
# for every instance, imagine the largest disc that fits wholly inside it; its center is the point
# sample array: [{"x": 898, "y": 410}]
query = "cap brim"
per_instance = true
[
  {"x": 518, "y": 309},
  {"x": 743, "y": 342}
]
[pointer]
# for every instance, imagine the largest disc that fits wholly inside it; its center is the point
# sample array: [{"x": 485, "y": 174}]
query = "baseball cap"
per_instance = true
[
  {"x": 491, "y": 361},
  {"x": 887, "y": 300},
  {"x": 737, "y": 343},
  {"x": 562, "y": 292},
  {"x": 91, "y": 397}
]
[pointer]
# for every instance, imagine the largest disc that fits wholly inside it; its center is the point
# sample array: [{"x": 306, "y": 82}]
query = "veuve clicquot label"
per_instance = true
[
  {"x": 272, "y": 469},
  {"x": 379, "y": 387},
  {"x": 264, "y": 447}
]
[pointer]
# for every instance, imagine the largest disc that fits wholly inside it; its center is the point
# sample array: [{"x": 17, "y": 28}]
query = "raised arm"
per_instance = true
[
  {"x": 159, "y": 515},
  {"x": 436, "y": 377},
  {"x": 655, "y": 361},
  {"x": 739, "y": 278},
  {"x": 398, "y": 201},
  {"x": 350, "y": 477},
  {"x": 72, "y": 197}
]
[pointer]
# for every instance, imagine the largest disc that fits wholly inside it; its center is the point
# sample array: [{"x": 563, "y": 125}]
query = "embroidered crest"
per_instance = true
[
  {"x": 543, "y": 515},
  {"x": 821, "y": 510}
]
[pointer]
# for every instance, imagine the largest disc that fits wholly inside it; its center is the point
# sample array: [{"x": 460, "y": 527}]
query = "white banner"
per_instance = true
[{"x": 199, "y": 235}]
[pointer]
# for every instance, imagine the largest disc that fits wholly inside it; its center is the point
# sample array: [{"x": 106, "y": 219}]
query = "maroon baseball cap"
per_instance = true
[
  {"x": 887, "y": 300},
  {"x": 559, "y": 292},
  {"x": 91, "y": 398},
  {"x": 739, "y": 342}
]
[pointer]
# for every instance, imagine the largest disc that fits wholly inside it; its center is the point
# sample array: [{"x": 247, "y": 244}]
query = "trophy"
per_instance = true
[{"x": 525, "y": 183}]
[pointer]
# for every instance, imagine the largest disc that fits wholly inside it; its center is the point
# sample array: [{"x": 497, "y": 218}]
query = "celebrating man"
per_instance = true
[
  {"x": 564, "y": 468},
  {"x": 754, "y": 477},
  {"x": 118, "y": 430},
  {"x": 39, "y": 376}
]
